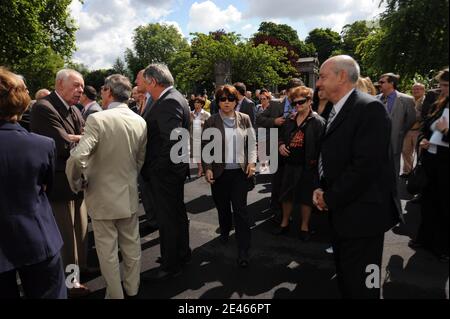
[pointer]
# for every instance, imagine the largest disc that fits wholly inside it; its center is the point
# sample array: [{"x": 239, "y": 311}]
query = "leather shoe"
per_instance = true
[
  {"x": 243, "y": 259},
  {"x": 304, "y": 235},
  {"x": 160, "y": 275},
  {"x": 78, "y": 291},
  {"x": 184, "y": 261},
  {"x": 414, "y": 244},
  {"x": 281, "y": 230}
]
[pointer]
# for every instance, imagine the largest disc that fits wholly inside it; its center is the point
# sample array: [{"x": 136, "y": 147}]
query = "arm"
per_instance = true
[
  {"x": 45, "y": 121},
  {"x": 79, "y": 156},
  {"x": 370, "y": 147}
]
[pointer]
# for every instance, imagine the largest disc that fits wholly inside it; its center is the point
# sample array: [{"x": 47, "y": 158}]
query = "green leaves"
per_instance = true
[{"x": 36, "y": 36}]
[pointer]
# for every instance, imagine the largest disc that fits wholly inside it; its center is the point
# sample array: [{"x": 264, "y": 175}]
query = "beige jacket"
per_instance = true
[{"x": 109, "y": 156}]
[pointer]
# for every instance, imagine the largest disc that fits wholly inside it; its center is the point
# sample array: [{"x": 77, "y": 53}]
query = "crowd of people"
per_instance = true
[{"x": 64, "y": 157}]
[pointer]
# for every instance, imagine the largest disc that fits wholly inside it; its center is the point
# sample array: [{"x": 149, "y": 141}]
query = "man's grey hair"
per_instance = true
[
  {"x": 120, "y": 87},
  {"x": 64, "y": 74},
  {"x": 160, "y": 73},
  {"x": 348, "y": 64}
]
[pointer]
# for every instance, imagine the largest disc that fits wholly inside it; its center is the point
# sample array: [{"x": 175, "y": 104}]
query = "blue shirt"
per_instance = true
[
  {"x": 288, "y": 109},
  {"x": 390, "y": 101}
]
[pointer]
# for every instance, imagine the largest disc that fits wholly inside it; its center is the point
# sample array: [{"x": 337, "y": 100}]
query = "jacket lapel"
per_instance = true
[
  {"x": 348, "y": 106},
  {"x": 65, "y": 115}
]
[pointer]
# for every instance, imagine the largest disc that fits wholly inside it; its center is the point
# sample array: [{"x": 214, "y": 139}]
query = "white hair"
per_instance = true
[
  {"x": 348, "y": 64},
  {"x": 64, "y": 74}
]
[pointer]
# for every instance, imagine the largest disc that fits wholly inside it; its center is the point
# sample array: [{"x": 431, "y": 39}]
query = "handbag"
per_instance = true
[{"x": 418, "y": 179}]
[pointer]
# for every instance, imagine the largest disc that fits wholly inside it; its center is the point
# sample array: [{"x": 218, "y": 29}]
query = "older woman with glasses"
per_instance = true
[
  {"x": 198, "y": 118},
  {"x": 229, "y": 176},
  {"x": 299, "y": 144},
  {"x": 30, "y": 241}
]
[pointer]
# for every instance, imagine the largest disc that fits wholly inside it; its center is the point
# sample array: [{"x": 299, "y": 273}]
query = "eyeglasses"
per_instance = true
[
  {"x": 381, "y": 82},
  {"x": 300, "y": 102},
  {"x": 230, "y": 98}
]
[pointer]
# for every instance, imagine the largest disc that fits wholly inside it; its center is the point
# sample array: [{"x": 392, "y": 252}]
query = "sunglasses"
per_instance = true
[
  {"x": 300, "y": 102},
  {"x": 230, "y": 98}
]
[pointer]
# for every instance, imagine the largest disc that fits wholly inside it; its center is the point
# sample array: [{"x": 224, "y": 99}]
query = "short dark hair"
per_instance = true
[
  {"x": 226, "y": 90},
  {"x": 200, "y": 100},
  {"x": 293, "y": 83},
  {"x": 392, "y": 78},
  {"x": 90, "y": 92},
  {"x": 240, "y": 87}
]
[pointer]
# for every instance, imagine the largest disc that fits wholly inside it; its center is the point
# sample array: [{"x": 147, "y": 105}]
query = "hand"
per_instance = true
[
  {"x": 284, "y": 151},
  {"x": 74, "y": 138},
  {"x": 209, "y": 176},
  {"x": 424, "y": 144},
  {"x": 251, "y": 169},
  {"x": 279, "y": 121},
  {"x": 319, "y": 201},
  {"x": 442, "y": 124}
]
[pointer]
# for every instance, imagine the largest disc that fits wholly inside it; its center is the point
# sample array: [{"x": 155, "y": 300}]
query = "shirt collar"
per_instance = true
[
  {"x": 113, "y": 105},
  {"x": 340, "y": 104},
  {"x": 164, "y": 92},
  {"x": 62, "y": 100}
]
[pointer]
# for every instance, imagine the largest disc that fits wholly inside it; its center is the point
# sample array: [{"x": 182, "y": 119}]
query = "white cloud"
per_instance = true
[
  {"x": 207, "y": 16},
  {"x": 106, "y": 28},
  {"x": 315, "y": 13}
]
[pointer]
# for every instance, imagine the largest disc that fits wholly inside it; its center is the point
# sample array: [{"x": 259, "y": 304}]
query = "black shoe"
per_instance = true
[
  {"x": 404, "y": 175},
  {"x": 414, "y": 244},
  {"x": 159, "y": 275},
  {"x": 219, "y": 230},
  {"x": 416, "y": 200},
  {"x": 223, "y": 238},
  {"x": 280, "y": 230},
  {"x": 243, "y": 259},
  {"x": 304, "y": 235},
  {"x": 184, "y": 261}
]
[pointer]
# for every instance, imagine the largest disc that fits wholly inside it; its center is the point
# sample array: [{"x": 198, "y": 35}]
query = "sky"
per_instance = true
[{"x": 106, "y": 27}]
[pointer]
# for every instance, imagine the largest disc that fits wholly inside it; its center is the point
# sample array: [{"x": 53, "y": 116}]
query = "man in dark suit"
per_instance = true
[
  {"x": 89, "y": 101},
  {"x": 245, "y": 105},
  {"x": 56, "y": 116},
  {"x": 358, "y": 180},
  {"x": 164, "y": 176},
  {"x": 274, "y": 117}
]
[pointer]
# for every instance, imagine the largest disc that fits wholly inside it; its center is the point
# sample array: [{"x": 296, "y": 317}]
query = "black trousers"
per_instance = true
[
  {"x": 434, "y": 227},
  {"x": 352, "y": 257},
  {"x": 147, "y": 201},
  {"x": 231, "y": 189},
  {"x": 166, "y": 190},
  {"x": 44, "y": 280}
]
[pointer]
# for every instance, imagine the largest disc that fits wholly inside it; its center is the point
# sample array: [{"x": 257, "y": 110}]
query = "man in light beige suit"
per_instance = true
[{"x": 106, "y": 163}]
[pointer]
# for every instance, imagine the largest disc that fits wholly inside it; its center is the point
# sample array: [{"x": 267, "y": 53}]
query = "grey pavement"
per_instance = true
[{"x": 281, "y": 267}]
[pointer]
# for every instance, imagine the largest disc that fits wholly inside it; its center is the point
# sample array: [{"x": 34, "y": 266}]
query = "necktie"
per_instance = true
[{"x": 330, "y": 119}]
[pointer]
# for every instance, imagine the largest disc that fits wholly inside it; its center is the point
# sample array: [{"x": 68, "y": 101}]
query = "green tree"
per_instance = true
[
  {"x": 35, "y": 34},
  {"x": 352, "y": 35},
  {"x": 154, "y": 43},
  {"x": 96, "y": 78},
  {"x": 416, "y": 38},
  {"x": 120, "y": 67},
  {"x": 325, "y": 41}
]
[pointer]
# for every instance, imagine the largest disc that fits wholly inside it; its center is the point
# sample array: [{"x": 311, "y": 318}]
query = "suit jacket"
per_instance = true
[
  {"x": 243, "y": 125},
  {"x": 403, "y": 117},
  {"x": 50, "y": 117},
  {"x": 92, "y": 109},
  {"x": 171, "y": 111},
  {"x": 267, "y": 118},
  {"x": 110, "y": 155},
  {"x": 248, "y": 107},
  {"x": 28, "y": 231},
  {"x": 360, "y": 182}
]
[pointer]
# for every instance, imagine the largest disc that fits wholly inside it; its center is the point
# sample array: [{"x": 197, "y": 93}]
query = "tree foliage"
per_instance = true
[
  {"x": 325, "y": 41},
  {"x": 154, "y": 43},
  {"x": 36, "y": 35}
]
